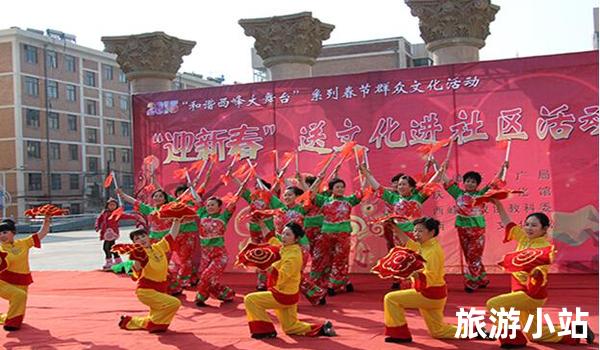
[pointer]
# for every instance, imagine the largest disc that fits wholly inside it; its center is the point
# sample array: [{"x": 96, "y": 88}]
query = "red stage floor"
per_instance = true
[{"x": 80, "y": 310}]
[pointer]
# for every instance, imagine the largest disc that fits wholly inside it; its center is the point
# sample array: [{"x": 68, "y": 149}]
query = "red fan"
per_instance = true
[
  {"x": 258, "y": 255},
  {"x": 176, "y": 210},
  {"x": 496, "y": 194},
  {"x": 108, "y": 181},
  {"x": 399, "y": 262},
  {"x": 46, "y": 210},
  {"x": 528, "y": 259},
  {"x": 3, "y": 262},
  {"x": 389, "y": 217},
  {"x": 135, "y": 251},
  {"x": 262, "y": 214}
]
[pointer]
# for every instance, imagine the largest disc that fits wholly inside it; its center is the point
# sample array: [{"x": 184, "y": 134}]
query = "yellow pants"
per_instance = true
[
  {"x": 526, "y": 306},
  {"x": 162, "y": 310},
  {"x": 256, "y": 310},
  {"x": 432, "y": 311},
  {"x": 17, "y": 301}
]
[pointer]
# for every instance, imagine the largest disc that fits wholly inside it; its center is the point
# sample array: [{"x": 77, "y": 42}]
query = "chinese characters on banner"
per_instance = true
[{"x": 547, "y": 105}]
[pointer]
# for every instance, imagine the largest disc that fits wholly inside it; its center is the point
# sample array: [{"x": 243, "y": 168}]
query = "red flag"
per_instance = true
[
  {"x": 348, "y": 148},
  {"x": 322, "y": 163},
  {"x": 496, "y": 194},
  {"x": 179, "y": 174},
  {"x": 116, "y": 214},
  {"x": 108, "y": 181},
  {"x": 426, "y": 150},
  {"x": 197, "y": 165},
  {"x": 239, "y": 173},
  {"x": 287, "y": 156},
  {"x": 225, "y": 179},
  {"x": 229, "y": 199},
  {"x": 399, "y": 262},
  {"x": 502, "y": 144},
  {"x": 150, "y": 159}
]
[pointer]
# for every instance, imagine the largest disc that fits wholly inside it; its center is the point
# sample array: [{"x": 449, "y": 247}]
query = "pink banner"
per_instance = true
[{"x": 547, "y": 105}]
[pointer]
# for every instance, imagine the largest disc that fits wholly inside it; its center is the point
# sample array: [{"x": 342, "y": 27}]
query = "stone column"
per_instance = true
[
  {"x": 150, "y": 60},
  {"x": 289, "y": 45},
  {"x": 454, "y": 30}
]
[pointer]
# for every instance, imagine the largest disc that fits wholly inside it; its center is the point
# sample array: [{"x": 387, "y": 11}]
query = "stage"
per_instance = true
[{"x": 80, "y": 310}]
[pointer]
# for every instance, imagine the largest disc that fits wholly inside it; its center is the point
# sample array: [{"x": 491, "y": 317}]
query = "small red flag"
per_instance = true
[{"x": 108, "y": 181}]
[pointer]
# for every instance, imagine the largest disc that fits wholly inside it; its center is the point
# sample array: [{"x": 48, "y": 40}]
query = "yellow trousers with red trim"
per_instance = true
[
  {"x": 526, "y": 306},
  {"x": 17, "y": 301},
  {"x": 162, "y": 309},
  {"x": 432, "y": 311},
  {"x": 256, "y": 305}
]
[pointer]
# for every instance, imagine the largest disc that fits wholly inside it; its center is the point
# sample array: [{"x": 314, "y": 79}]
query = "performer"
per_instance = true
[
  {"x": 336, "y": 231},
  {"x": 107, "y": 225},
  {"x": 283, "y": 294},
  {"x": 213, "y": 223},
  {"x": 15, "y": 280},
  {"x": 429, "y": 293},
  {"x": 260, "y": 199},
  {"x": 529, "y": 290},
  {"x": 152, "y": 286},
  {"x": 158, "y": 227},
  {"x": 295, "y": 212},
  {"x": 470, "y": 225}
]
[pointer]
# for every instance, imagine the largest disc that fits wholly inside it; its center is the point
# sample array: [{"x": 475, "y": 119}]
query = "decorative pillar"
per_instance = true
[
  {"x": 289, "y": 45},
  {"x": 150, "y": 60},
  {"x": 454, "y": 30}
]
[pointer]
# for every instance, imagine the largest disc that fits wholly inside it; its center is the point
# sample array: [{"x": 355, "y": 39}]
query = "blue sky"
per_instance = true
[{"x": 522, "y": 27}]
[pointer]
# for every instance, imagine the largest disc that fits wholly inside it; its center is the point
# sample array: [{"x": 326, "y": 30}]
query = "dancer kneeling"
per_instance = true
[
  {"x": 429, "y": 293},
  {"x": 283, "y": 294},
  {"x": 150, "y": 269}
]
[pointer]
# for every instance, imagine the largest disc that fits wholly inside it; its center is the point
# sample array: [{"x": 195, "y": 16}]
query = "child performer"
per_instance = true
[
  {"x": 152, "y": 283},
  {"x": 336, "y": 231},
  {"x": 15, "y": 280},
  {"x": 470, "y": 225},
  {"x": 529, "y": 290},
  {"x": 158, "y": 227},
  {"x": 260, "y": 199},
  {"x": 429, "y": 292},
  {"x": 283, "y": 294},
  {"x": 109, "y": 232},
  {"x": 295, "y": 212},
  {"x": 213, "y": 223}
]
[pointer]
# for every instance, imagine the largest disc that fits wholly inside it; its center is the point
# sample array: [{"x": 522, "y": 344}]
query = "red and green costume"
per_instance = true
[
  {"x": 335, "y": 231},
  {"x": 470, "y": 225},
  {"x": 213, "y": 255}
]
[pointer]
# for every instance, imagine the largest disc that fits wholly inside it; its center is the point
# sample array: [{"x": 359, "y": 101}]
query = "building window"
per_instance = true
[
  {"x": 127, "y": 181},
  {"x": 52, "y": 89},
  {"x": 71, "y": 93},
  {"x": 32, "y": 118},
  {"x": 90, "y": 107},
  {"x": 92, "y": 164},
  {"x": 35, "y": 182},
  {"x": 110, "y": 127},
  {"x": 72, "y": 122},
  {"x": 107, "y": 72},
  {"x": 70, "y": 65},
  {"x": 31, "y": 54},
  {"x": 91, "y": 135},
  {"x": 111, "y": 154},
  {"x": 124, "y": 103},
  {"x": 74, "y": 181},
  {"x": 55, "y": 151},
  {"x": 125, "y": 132},
  {"x": 55, "y": 179},
  {"x": 75, "y": 208},
  {"x": 32, "y": 86},
  {"x": 53, "y": 120},
  {"x": 425, "y": 61},
  {"x": 109, "y": 100},
  {"x": 33, "y": 149},
  {"x": 73, "y": 152},
  {"x": 122, "y": 77},
  {"x": 51, "y": 59},
  {"x": 89, "y": 78},
  {"x": 125, "y": 156}
]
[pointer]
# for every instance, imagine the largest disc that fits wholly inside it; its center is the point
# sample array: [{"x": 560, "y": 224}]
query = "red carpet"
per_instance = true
[{"x": 80, "y": 310}]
